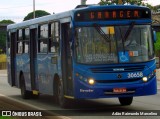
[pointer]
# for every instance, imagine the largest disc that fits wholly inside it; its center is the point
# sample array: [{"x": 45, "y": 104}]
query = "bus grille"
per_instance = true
[
  {"x": 117, "y": 69},
  {"x": 119, "y": 81}
]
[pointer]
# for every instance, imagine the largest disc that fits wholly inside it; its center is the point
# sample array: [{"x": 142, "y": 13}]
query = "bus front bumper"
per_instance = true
[{"x": 84, "y": 91}]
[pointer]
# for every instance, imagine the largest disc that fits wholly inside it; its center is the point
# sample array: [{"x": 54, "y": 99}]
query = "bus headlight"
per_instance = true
[
  {"x": 145, "y": 79},
  {"x": 91, "y": 81}
]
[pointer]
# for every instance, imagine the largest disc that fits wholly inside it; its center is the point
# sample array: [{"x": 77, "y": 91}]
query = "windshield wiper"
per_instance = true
[
  {"x": 101, "y": 32},
  {"x": 129, "y": 31},
  {"x": 127, "y": 34}
]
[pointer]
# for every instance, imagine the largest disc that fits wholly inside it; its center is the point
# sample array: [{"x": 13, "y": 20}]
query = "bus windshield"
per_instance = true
[{"x": 107, "y": 44}]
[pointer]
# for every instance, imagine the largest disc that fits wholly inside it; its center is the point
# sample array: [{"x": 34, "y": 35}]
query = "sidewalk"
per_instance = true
[
  {"x": 3, "y": 72},
  {"x": 158, "y": 74}
]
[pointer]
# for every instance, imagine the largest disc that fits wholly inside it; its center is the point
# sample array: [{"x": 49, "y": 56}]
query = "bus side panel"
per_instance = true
[
  {"x": 23, "y": 65},
  {"x": 18, "y": 68},
  {"x": 26, "y": 71},
  {"x": 47, "y": 67}
]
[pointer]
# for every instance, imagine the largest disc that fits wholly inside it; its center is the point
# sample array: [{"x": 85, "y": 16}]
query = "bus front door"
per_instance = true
[{"x": 66, "y": 60}]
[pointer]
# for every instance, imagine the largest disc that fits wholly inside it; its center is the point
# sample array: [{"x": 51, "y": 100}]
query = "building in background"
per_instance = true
[{"x": 3, "y": 27}]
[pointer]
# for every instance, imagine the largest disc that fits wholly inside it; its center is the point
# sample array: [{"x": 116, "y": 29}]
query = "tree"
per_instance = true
[
  {"x": 2, "y": 41},
  {"x": 157, "y": 45},
  {"x": 3, "y": 34},
  {"x": 132, "y": 2},
  {"x": 38, "y": 13},
  {"x": 6, "y": 22},
  {"x": 108, "y": 2}
]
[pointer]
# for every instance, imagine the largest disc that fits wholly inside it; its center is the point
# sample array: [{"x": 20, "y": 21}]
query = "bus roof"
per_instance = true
[
  {"x": 53, "y": 17},
  {"x": 43, "y": 19}
]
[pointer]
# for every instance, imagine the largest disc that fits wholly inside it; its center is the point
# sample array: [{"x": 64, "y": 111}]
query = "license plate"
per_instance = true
[{"x": 119, "y": 90}]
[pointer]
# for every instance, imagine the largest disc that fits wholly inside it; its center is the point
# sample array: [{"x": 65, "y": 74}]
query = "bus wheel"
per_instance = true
[
  {"x": 24, "y": 93},
  {"x": 63, "y": 102},
  {"x": 125, "y": 100}
]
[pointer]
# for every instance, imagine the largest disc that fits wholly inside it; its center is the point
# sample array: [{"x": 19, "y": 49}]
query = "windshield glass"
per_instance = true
[{"x": 107, "y": 44}]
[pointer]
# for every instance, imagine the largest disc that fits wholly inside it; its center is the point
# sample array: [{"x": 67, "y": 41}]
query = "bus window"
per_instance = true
[
  {"x": 27, "y": 33},
  {"x": 43, "y": 46},
  {"x": 54, "y": 37},
  {"x": 44, "y": 31},
  {"x": 20, "y": 35},
  {"x": 56, "y": 30},
  {"x": 26, "y": 40},
  {"x": 20, "y": 47},
  {"x": 26, "y": 47},
  {"x": 139, "y": 44},
  {"x": 19, "y": 42},
  {"x": 43, "y": 39},
  {"x": 94, "y": 47}
]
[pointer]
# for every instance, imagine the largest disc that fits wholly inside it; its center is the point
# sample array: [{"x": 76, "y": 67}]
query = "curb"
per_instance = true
[
  {"x": 3, "y": 73},
  {"x": 53, "y": 114}
]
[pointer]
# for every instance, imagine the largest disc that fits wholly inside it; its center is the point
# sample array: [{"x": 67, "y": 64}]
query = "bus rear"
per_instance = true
[{"x": 113, "y": 53}]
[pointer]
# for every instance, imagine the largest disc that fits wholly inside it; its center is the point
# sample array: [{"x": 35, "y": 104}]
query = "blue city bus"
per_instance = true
[{"x": 89, "y": 52}]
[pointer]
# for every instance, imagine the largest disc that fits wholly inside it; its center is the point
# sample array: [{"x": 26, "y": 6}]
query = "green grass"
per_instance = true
[
  {"x": 158, "y": 35},
  {"x": 3, "y": 58},
  {"x": 1, "y": 117}
]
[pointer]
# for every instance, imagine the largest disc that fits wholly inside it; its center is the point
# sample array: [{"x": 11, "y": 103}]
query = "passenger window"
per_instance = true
[
  {"x": 26, "y": 40},
  {"x": 43, "y": 39},
  {"x": 19, "y": 41},
  {"x": 54, "y": 37}
]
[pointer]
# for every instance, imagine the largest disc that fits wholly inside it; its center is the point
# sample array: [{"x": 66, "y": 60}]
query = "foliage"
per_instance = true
[
  {"x": 3, "y": 35},
  {"x": 157, "y": 44},
  {"x": 109, "y": 2},
  {"x": 2, "y": 40},
  {"x": 38, "y": 13},
  {"x": 6, "y": 22},
  {"x": 132, "y": 2}
]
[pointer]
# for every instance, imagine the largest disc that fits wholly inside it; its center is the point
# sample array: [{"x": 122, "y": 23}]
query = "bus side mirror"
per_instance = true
[{"x": 154, "y": 36}]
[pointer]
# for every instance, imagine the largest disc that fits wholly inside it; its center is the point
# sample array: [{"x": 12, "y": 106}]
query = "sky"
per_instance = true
[{"x": 16, "y": 10}]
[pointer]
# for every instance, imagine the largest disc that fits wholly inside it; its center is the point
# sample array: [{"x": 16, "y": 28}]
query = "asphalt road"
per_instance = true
[{"x": 86, "y": 109}]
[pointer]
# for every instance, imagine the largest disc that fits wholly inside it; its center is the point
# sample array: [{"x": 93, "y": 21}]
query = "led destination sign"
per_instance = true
[{"x": 112, "y": 15}]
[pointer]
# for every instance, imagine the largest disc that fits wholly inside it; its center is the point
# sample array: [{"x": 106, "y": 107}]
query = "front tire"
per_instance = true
[
  {"x": 24, "y": 93},
  {"x": 125, "y": 100}
]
